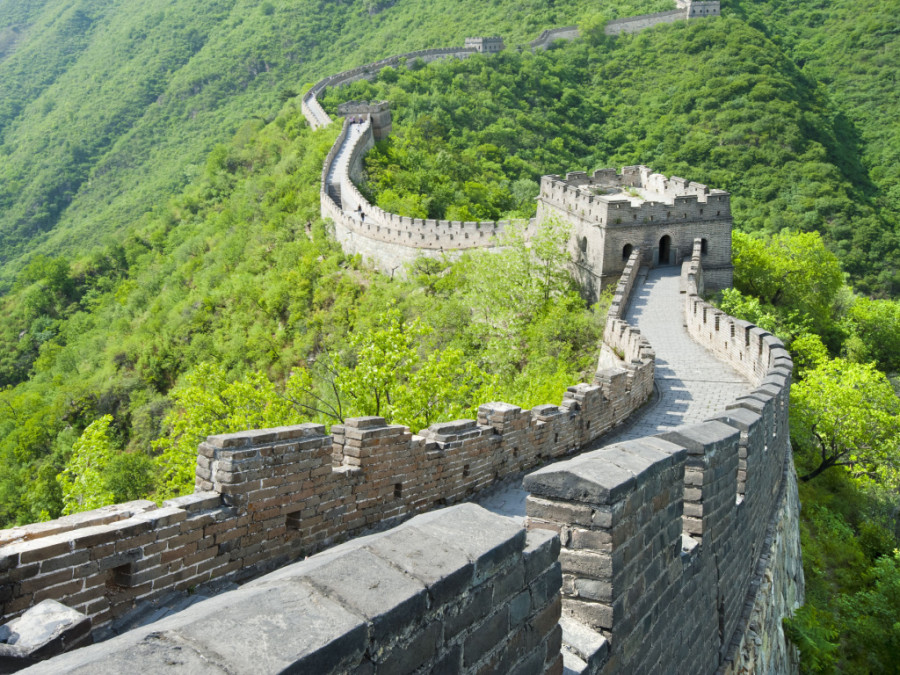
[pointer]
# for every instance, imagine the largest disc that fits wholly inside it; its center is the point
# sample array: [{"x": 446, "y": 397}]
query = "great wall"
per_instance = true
[{"x": 674, "y": 552}]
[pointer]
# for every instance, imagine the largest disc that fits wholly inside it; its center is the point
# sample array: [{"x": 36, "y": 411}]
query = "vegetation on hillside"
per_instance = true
[
  {"x": 850, "y": 49},
  {"x": 237, "y": 310},
  {"x": 845, "y": 432}
]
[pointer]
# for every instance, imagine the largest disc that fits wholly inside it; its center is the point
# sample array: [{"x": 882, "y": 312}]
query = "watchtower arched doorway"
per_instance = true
[{"x": 665, "y": 250}]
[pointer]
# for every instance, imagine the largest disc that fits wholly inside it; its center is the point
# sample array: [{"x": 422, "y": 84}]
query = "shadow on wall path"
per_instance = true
[{"x": 692, "y": 384}]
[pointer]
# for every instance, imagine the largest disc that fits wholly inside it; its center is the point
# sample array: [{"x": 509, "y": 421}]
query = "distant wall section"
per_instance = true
[
  {"x": 687, "y": 9},
  {"x": 635, "y": 24},
  {"x": 387, "y": 240},
  {"x": 551, "y": 35}
]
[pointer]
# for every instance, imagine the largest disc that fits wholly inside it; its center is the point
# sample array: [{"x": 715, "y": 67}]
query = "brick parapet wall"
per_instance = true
[
  {"x": 622, "y": 294},
  {"x": 664, "y": 538},
  {"x": 388, "y": 240},
  {"x": 459, "y": 590},
  {"x": 266, "y": 497},
  {"x": 551, "y": 35},
  {"x": 634, "y": 24}
]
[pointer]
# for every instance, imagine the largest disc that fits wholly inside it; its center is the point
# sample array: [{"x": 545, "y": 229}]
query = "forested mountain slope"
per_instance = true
[
  {"x": 109, "y": 107},
  {"x": 851, "y": 49},
  {"x": 225, "y": 272}
]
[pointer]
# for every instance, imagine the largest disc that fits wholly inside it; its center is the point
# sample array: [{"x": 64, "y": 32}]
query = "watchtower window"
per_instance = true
[
  {"x": 626, "y": 251},
  {"x": 703, "y": 247},
  {"x": 583, "y": 244}
]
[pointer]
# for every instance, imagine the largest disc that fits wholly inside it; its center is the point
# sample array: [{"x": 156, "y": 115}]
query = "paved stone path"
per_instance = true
[
  {"x": 693, "y": 384},
  {"x": 342, "y": 159}
]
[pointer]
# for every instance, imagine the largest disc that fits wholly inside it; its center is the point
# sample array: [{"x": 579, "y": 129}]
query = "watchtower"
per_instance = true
[
  {"x": 379, "y": 112},
  {"x": 485, "y": 45},
  {"x": 613, "y": 214},
  {"x": 698, "y": 8}
]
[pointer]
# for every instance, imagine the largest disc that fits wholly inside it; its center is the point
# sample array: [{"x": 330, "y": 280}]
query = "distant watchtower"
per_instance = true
[
  {"x": 698, "y": 8},
  {"x": 485, "y": 45},
  {"x": 380, "y": 113},
  {"x": 612, "y": 214}
]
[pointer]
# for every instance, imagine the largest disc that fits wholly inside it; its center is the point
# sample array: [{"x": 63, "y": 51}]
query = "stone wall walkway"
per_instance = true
[
  {"x": 342, "y": 159},
  {"x": 693, "y": 384}
]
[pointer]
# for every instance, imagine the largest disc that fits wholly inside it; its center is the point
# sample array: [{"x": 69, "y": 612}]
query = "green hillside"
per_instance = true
[{"x": 108, "y": 108}]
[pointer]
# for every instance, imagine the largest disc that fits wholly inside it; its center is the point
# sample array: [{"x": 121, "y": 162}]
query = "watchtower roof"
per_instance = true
[{"x": 636, "y": 185}]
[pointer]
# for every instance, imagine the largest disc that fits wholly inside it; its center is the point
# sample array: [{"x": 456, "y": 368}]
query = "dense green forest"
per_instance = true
[{"x": 162, "y": 282}]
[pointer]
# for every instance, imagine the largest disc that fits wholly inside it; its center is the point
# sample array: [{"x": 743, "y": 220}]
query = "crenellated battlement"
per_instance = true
[
  {"x": 663, "y": 542},
  {"x": 636, "y": 195},
  {"x": 663, "y": 538}
]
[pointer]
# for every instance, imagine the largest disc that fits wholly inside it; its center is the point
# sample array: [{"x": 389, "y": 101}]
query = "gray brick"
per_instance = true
[
  {"x": 437, "y": 563},
  {"x": 384, "y": 595},
  {"x": 541, "y": 550},
  {"x": 486, "y": 636}
]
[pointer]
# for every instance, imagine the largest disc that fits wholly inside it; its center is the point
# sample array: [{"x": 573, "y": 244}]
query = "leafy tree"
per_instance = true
[
  {"x": 83, "y": 481},
  {"x": 847, "y": 414},
  {"x": 793, "y": 273},
  {"x": 384, "y": 374},
  {"x": 809, "y": 352},
  {"x": 510, "y": 287},
  {"x": 874, "y": 327},
  {"x": 208, "y": 403},
  {"x": 445, "y": 387},
  {"x": 130, "y": 475},
  {"x": 787, "y": 325},
  {"x": 383, "y": 360},
  {"x": 872, "y": 619}
]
